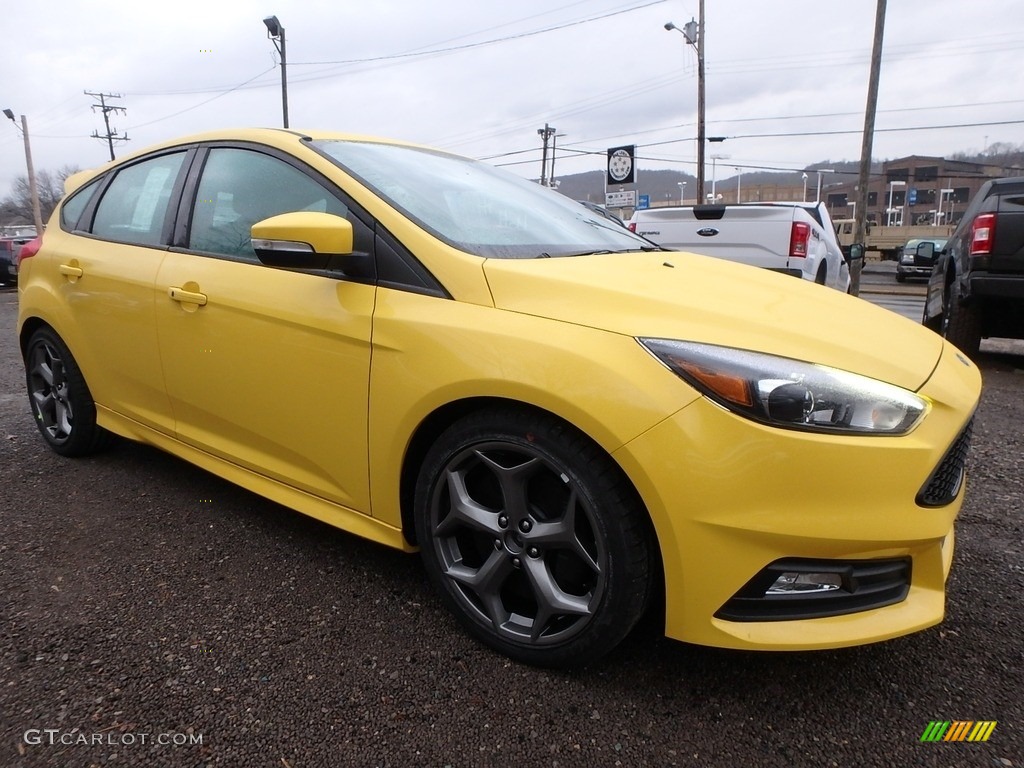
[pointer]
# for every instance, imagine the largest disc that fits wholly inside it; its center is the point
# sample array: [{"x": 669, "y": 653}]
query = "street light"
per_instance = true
[
  {"x": 276, "y": 33},
  {"x": 554, "y": 138},
  {"x": 32, "y": 188},
  {"x": 739, "y": 179},
  {"x": 890, "y": 210},
  {"x": 804, "y": 198},
  {"x": 694, "y": 34},
  {"x": 948, "y": 194},
  {"x": 715, "y": 158},
  {"x": 682, "y": 192},
  {"x": 817, "y": 197}
]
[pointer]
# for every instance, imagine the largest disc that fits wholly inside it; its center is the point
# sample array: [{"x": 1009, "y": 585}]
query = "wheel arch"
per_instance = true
[
  {"x": 29, "y": 327},
  {"x": 431, "y": 427},
  {"x": 821, "y": 276}
]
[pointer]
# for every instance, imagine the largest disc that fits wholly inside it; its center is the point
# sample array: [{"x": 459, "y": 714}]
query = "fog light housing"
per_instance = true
[{"x": 798, "y": 588}]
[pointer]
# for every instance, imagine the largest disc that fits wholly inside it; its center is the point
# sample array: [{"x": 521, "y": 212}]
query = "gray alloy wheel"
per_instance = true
[
  {"x": 534, "y": 538},
  {"x": 61, "y": 403}
]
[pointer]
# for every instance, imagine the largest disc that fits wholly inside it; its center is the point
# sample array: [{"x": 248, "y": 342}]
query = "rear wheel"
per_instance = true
[
  {"x": 961, "y": 323},
  {"x": 61, "y": 403},
  {"x": 535, "y": 539},
  {"x": 822, "y": 275}
]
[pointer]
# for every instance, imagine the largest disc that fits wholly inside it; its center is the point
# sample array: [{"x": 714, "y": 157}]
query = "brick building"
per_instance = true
[{"x": 914, "y": 190}]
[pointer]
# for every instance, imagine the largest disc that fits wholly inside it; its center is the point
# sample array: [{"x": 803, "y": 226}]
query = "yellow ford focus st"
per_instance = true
[{"x": 572, "y": 425}]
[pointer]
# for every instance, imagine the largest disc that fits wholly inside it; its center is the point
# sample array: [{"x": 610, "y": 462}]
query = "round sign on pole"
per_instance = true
[{"x": 621, "y": 165}]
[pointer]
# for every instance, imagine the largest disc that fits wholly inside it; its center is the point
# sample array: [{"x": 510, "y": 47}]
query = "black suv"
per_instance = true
[{"x": 976, "y": 289}]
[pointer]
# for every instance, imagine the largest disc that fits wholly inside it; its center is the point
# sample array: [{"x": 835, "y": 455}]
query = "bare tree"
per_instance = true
[{"x": 17, "y": 208}]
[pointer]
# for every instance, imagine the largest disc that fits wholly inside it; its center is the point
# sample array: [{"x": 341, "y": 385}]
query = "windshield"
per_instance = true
[{"x": 476, "y": 207}]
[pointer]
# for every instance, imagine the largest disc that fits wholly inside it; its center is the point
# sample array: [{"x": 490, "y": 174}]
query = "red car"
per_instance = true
[{"x": 9, "y": 248}]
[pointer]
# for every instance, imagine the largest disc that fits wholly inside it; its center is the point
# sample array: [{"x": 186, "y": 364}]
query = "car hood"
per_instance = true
[{"x": 688, "y": 297}]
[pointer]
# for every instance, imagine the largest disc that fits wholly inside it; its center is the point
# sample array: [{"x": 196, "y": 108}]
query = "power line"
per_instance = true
[
  {"x": 482, "y": 43},
  {"x": 628, "y": 133},
  {"x": 877, "y": 130},
  {"x": 749, "y": 136},
  {"x": 397, "y": 58},
  {"x": 207, "y": 101}
]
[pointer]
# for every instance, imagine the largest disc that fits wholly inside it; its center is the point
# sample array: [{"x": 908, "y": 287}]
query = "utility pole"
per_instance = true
[
  {"x": 33, "y": 190},
  {"x": 699, "y": 45},
  {"x": 545, "y": 133},
  {"x": 111, "y": 135},
  {"x": 860, "y": 216}
]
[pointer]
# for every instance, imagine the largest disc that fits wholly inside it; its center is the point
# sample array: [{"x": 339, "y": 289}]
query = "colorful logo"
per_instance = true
[{"x": 958, "y": 730}]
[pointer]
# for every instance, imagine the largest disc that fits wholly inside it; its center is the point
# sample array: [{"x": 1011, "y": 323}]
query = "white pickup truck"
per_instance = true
[{"x": 794, "y": 238}]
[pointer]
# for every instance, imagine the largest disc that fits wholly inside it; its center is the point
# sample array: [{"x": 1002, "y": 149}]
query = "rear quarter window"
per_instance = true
[{"x": 135, "y": 206}]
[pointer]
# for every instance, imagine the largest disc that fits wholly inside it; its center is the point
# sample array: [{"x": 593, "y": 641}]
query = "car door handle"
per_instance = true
[
  {"x": 186, "y": 297},
  {"x": 70, "y": 270}
]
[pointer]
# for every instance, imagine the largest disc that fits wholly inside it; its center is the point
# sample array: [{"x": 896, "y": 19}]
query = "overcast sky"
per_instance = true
[{"x": 786, "y": 80}]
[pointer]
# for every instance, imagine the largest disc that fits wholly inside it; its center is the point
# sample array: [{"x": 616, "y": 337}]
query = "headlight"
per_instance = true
[{"x": 790, "y": 393}]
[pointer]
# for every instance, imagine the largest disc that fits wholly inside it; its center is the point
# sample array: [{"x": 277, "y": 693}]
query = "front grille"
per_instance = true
[
  {"x": 944, "y": 483},
  {"x": 864, "y": 585}
]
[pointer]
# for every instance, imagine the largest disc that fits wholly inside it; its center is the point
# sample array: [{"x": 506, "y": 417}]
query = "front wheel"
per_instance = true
[
  {"x": 61, "y": 402},
  {"x": 534, "y": 537}
]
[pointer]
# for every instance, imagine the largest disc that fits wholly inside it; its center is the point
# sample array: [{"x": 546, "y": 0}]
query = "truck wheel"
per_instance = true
[
  {"x": 961, "y": 323},
  {"x": 822, "y": 274}
]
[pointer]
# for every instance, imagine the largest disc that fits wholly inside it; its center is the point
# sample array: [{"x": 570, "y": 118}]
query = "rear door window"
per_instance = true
[{"x": 134, "y": 209}]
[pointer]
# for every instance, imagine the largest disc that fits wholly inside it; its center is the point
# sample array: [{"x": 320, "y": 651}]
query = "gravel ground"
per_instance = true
[{"x": 142, "y": 599}]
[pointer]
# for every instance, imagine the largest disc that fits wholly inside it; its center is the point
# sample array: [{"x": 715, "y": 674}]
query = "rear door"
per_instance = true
[{"x": 104, "y": 273}]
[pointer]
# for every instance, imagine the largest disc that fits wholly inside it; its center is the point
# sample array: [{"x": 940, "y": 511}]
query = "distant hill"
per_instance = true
[{"x": 663, "y": 186}]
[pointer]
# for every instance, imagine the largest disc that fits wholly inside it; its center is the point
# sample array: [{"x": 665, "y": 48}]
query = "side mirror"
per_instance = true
[
  {"x": 926, "y": 250},
  {"x": 856, "y": 252},
  {"x": 302, "y": 240}
]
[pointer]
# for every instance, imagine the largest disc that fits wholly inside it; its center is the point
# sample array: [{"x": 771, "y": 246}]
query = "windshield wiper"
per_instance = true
[{"x": 602, "y": 251}]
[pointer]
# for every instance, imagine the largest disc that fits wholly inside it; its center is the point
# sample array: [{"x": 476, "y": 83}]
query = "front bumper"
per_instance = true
[
  {"x": 911, "y": 270},
  {"x": 729, "y": 497}
]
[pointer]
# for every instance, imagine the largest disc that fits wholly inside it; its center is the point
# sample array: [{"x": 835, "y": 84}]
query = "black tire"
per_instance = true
[
  {"x": 62, "y": 405},
  {"x": 533, "y": 536},
  {"x": 822, "y": 275},
  {"x": 900, "y": 277},
  {"x": 961, "y": 323}
]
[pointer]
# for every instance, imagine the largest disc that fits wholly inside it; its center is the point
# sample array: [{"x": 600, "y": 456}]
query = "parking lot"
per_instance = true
[{"x": 153, "y": 615}]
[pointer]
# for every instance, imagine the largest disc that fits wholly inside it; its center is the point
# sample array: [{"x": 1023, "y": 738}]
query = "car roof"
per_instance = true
[{"x": 282, "y": 138}]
